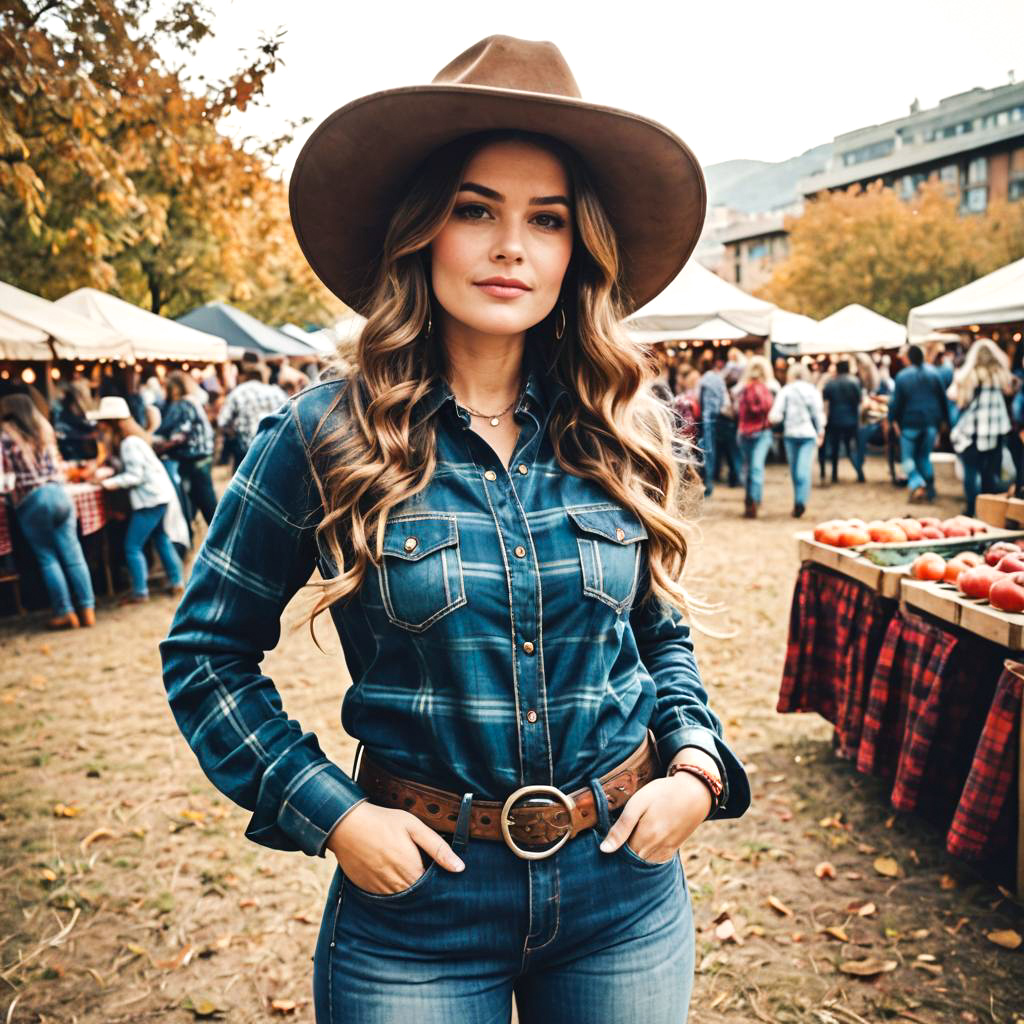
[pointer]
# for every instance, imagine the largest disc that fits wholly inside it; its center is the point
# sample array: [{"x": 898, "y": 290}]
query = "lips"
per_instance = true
[{"x": 503, "y": 287}]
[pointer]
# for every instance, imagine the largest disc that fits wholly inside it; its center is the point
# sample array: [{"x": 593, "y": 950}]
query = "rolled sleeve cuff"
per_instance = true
[
  {"x": 311, "y": 810},
  {"x": 735, "y": 785}
]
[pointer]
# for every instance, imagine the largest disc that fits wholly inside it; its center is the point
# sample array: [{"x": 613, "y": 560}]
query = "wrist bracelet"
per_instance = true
[{"x": 714, "y": 786}]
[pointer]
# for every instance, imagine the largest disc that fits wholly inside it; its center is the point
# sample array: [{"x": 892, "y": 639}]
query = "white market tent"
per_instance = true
[
  {"x": 996, "y": 298},
  {"x": 855, "y": 328},
  {"x": 695, "y": 297},
  {"x": 793, "y": 332},
  {"x": 715, "y": 329},
  {"x": 322, "y": 341},
  {"x": 70, "y": 335},
  {"x": 23, "y": 341},
  {"x": 152, "y": 336}
]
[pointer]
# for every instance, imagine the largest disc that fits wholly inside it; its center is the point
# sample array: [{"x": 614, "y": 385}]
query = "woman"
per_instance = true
[
  {"x": 754, "y": 402},
  {"x": 979, "y": 390},
  {"x": 186, "y": 436},
  {"x": 76, "y": 435},
  {"x": 799, "y": 409},
  {"x": 33, "y": 477},
  {"x": 150, "y": 490},
  {"x": 523, "y": 680}
]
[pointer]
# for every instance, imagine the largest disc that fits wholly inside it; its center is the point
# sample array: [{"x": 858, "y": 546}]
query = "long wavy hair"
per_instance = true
[
  {"x": 986, "y": 366},
  {"x": 613, "y": 430}
]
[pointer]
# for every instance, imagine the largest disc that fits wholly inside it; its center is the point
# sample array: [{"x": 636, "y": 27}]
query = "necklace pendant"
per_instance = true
[{"x": 495, "y": 421}]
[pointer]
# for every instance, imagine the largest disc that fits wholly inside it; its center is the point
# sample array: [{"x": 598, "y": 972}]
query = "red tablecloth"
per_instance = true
[
  {"x": 93, "y": 507},
  {"x": 933, "y": 708}
]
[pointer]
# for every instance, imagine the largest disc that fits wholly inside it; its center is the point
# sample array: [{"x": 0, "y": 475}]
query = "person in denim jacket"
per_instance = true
[{"x": 491, "y": 500}]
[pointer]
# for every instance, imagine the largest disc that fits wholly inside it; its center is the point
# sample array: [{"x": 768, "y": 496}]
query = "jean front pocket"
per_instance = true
[
  {"x": 420, "y": 572},
  {"x": 608, "y": 539},
  {"x": 408, "y": 892},
  {"x": 651, "y": 865}
]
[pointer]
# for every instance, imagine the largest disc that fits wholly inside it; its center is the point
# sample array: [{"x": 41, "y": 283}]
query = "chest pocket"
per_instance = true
[
  {"x": 609, "y": 538},
  {"x": 420, "y": 572}
]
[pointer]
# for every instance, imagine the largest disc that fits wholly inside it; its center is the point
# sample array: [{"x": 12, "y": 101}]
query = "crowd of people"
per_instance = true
[
  {"x": 738, "y": 411},
  {"x": 157, "y": 440}
]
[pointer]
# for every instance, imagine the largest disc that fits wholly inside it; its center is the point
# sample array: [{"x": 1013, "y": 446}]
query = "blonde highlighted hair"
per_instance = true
[
  {"x": 613, "y": 430},
  {"x": 986, "y": 366}
]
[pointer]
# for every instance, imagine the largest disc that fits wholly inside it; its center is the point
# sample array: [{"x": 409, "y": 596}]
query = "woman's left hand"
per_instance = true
[{"x": 660, "y": 817}]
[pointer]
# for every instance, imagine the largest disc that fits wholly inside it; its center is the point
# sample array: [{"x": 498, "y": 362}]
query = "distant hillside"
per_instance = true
[{"x": 754, "y": 186}]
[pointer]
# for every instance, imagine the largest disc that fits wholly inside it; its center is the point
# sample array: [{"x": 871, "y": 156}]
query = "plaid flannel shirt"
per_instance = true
[
  {"x": 984, "y": 421},
  {"x": 498, "y": 643}
]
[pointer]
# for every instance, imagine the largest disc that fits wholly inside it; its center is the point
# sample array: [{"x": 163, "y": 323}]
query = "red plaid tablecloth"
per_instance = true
[
  {"x": 985, "y": 820},
  {"x": 94, "y": 508},
  {"x": 5, "y": 531},
  {"x": 836, "y": 628}
]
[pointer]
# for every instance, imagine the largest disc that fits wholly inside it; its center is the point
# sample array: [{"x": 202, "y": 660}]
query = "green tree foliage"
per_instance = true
[
  {"x": 116, "y": 170},
  {"x": 871, "y": 247}
]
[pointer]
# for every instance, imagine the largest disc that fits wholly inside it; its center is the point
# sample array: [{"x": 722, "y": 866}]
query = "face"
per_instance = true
[{"x": 498, "y": 263}]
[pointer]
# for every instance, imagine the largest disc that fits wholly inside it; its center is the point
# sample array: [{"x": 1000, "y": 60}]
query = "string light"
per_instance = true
[{"x": 28, "y": 375}]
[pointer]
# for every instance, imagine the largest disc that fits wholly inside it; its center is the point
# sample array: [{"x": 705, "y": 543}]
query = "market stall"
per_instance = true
[
  {"x": 854, "y": 328},
  {"x": 243, "y": 331},
  {"x": 895, "y": 640}
]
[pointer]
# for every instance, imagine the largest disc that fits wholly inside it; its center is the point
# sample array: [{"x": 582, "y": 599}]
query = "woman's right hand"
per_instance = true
[{"x": 378, "y": 848}]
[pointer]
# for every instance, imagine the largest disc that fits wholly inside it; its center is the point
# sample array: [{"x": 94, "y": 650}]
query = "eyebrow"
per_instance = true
[{"x": 489, "y": 193}]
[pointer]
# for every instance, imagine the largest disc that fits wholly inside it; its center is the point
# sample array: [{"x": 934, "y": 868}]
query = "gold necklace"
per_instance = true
[{"x": 493, "y": 418}]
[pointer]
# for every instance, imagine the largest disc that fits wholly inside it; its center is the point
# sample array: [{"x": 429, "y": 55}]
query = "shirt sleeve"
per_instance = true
[
  {"x": 227, "y": 411},
  {"x": 134, "y": 466},
  {"x": 260, "y": 549},
  {"x": 682, "y": 716}
]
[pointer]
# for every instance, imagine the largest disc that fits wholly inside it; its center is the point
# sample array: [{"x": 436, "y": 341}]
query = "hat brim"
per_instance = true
[{"x": 356, "y": 167}]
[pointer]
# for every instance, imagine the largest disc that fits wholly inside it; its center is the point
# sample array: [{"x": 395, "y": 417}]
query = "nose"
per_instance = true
[{"x": 508, "y": 244}]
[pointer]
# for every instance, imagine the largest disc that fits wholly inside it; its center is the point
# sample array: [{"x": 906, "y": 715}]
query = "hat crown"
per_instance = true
[{"x": 504, "y": 62}]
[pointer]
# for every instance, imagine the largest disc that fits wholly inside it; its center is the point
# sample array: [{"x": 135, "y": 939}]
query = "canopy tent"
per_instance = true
[
  {"x": 715, "y": 329},
  {"x": 695, "y": 297},
  {"x": 855, "y": 328},
  {"x": 23, "y": 341},
  {"x": 152, "y": 336},
  {"x": 70, "y": 336},
  {"x": 996, "y": 298},
  {"x": 243, "y": 331},
  {"x": 794, "y": 333},
  {"x": 322, "y": 341}
]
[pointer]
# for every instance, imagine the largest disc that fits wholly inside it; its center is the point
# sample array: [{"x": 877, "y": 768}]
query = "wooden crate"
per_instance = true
[
  {"x": 991, "y": 509},
  {"x": 938, "y": 599},
  {"x": 1003, "y": 628},
  {"x": 1014, "y": 512},
  {"x": 882, "y": 580}
]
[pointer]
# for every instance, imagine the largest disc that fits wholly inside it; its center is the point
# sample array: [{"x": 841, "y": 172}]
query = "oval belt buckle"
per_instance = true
[{"x": 550, "y": 791}]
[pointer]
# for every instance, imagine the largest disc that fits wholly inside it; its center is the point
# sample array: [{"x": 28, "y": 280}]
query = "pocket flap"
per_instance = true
[
  {"x": 417, "y": 536},
  {"x": 619, "y": 525}
]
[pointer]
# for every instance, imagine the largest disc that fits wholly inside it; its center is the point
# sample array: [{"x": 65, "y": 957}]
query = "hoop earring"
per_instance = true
[
  {"x": 430, "y": 324},
  {"x": 560, "y": 323}
]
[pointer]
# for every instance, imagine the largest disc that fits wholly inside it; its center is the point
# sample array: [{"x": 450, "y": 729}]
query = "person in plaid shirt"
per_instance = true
[
  {"x": 32, "y": 475},
  {"x": 245, "y": 406}
]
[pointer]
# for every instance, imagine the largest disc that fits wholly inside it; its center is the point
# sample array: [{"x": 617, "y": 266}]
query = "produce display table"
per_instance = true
[{"x": 917, "y": 697}]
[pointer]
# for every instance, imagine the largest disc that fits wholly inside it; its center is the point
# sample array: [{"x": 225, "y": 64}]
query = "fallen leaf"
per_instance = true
[
  {"x": 825, "y": 870},
  {"x": 726, "y": 932},
  {"x": 887, "y": 866},
  {"x": 927, "y": 958},
  {"x": 180, "y": 960},
  {"x": 248, "y": 901},
  {"x": 203, "y": 1009},
  {"x": 868, "y": 968},
  {"x": 66, "y": 811},
  {"x": 866, "y": 848},
  {"x": 92, "y": 837},
  {"x": 48, "y": 875},
  {"x": 284, "y": 1006},
  {"x": 305, "y": 917},
  {"x": 779, "y": 907},
  {"x": 921, "y": 933},
  {"x": 837, "y": 932},
  {"x": 935, "y": 969},
  {"x": 1007, "y": 938}
]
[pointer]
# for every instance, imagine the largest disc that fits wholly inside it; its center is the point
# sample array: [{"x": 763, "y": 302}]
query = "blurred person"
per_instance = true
[
  {"x": 727, "y": 445},
  {"x": 874, "y": 406},
  {"x": 842, "y": 396},
  {"x": 291, "y": 381},
  {"x": 918, "y": 410},
  {"x": 799, "y": 409},
  {"x": 980, "y": 389},
  {"x": 186, "y": 436},
  {"x": 149, "y": 490},
  {"x": 711, "y": 398},
  {"x": 76, "y": 435},
  {"x": 245, "y": 406},
  {"x": 686, "y": 405},
  {"x": 32, "y": 476},
  {"x": 1015, "y": 441},
  {"x": 753, "y": 403}
]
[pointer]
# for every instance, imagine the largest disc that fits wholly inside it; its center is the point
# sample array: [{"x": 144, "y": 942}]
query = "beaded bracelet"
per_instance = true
[{"x": 714, "y": 786}]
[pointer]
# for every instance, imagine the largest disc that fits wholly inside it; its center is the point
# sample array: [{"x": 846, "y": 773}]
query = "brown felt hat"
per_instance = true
[{"x": 358, "y": 164}]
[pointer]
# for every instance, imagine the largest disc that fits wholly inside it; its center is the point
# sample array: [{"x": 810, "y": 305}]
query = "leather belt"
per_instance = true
[{"x": 546, "y": 822}]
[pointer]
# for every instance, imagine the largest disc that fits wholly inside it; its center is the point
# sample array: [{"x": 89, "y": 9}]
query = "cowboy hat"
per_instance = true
[
  {"x": 111, "y": 407},
  {"x": 357, "y": 164}
]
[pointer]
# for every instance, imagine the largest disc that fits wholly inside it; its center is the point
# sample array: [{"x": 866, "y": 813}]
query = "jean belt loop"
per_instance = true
[
  {"x": 604, "y": 823},
  {"x": 461, "y": 837}
]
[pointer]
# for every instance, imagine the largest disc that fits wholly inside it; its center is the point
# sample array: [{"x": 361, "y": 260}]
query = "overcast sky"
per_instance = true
[{"x": 739, "y": 79}]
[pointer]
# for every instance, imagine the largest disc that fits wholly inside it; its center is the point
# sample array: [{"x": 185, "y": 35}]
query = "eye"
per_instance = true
[
  {"x": 551, "y": 221},
  {"x": 472, "y": 211}
]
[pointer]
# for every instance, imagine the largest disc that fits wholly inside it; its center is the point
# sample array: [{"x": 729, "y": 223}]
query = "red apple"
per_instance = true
[
  {"x": 954, "y": 569},
  {"x": 977, "y": 581},
  {"x": 929, "y": 566},
  {"x": 911, "y": 527},
  {"x": 852, "y": 536},
  {"x": 999, "y": 550},
  {"x": 828, "y": 532},
  {"x": 970, "y": 558},
  {"x": 954, "y": 529},
  {"x": 1007, "y": 594},
  {"x": 932, "y": 533},
  {"x": 929, "y": 521},
  {"x": 1012, "y": 563}
]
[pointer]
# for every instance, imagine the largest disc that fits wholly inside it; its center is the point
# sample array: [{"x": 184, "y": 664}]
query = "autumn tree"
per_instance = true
[
  {"x": 867, "y": 245},
  {"x": 116, "y": 170}
]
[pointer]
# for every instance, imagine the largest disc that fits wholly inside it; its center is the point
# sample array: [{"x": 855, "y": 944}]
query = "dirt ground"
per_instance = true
[{"x": 128, "y": 894}]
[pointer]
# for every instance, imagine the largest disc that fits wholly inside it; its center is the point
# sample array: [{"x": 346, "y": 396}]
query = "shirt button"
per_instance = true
[
  {"x": 528, "y": 646},
  {"x": 520, "y": 551},
  {"x": 490, "y": 475},
  {"x": 522, "y": 469},
  {"x": 410, "y": 543},
  {"x": 620, "y": 532},
  {"x": 531, "y": 716}
]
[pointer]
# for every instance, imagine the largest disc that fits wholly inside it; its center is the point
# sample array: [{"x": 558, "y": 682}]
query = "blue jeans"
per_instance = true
[
  {"x": 754, "y": 448},
  {"x": 800, "y": 456},
  {"x": 146, "y": 523},
  {"x": 582, "y": 936},
  {"x": 707, "y": 446},
  {"x": 916, "y": 444},
  {"x": 982, "y": 473},
  {"x": 47, "y": 519}
]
